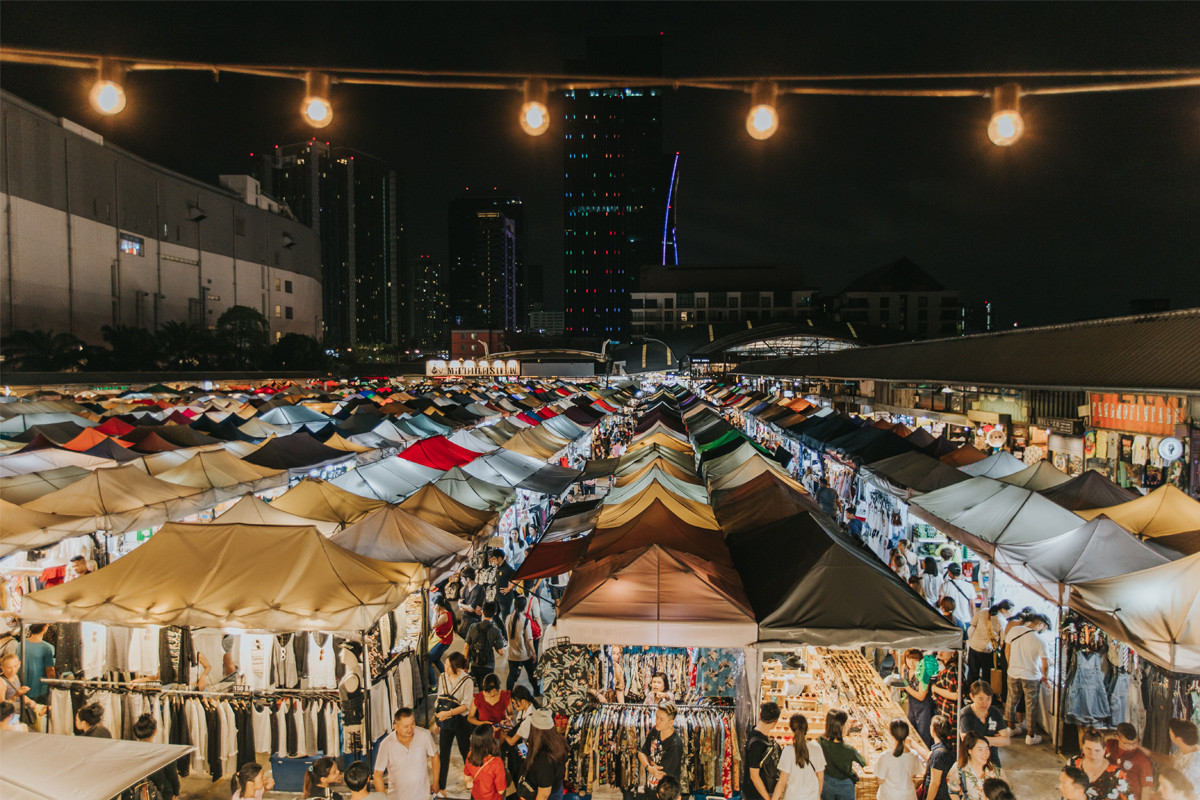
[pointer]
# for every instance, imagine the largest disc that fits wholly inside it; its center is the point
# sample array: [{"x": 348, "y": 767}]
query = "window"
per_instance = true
[
  {"x": 685, "y": 300},
  {"x": 923, "y": 302},
  {"x": 749, "y": 299},
  {"x": 287, "y": 287},
  {"x": 700, "y": 316},
  {"x": 668, "y": 302},
  {"x": 717, "y": 298},
  {"x": 701, "y": 302},
  {"x": 278, "y": 312},
  {"x": 764, "y": 301},
  {"x": 132, "y": 245},
  {"x": 733, "y": 303},
  {"x": 287, "y": 312},
  {"x": 637, "y": 302}
]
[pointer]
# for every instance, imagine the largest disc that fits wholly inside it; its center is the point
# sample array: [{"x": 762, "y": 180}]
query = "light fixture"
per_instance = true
[
  {"x": 108, "y": 92},
  {"x": 535, "y": 115},
  {"x": 1006, "y": 125},
  {"x": 763, "y": 119},
  {"x": 316, "y": 108}
]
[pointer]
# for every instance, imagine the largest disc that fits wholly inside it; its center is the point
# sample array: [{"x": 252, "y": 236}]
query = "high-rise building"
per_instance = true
[
  {"x": 615, "y": 186},
  {"x": 428, "y": 303},
  {"x": 485, "y": 262},
  {"x": 352, "y": 200}
]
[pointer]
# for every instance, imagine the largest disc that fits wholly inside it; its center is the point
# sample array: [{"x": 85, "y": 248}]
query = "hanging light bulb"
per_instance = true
[
  {"x": 535, "y": 116},
  {"x": 108, "y": 92},
  {"x": 316, "y": 108},
  {"x": 763, "y": 119},
  {"x": 1006, "y": 125}
]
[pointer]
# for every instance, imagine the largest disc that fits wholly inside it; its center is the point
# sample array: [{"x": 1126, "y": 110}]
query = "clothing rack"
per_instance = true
[{"x": 153, "y": 687}]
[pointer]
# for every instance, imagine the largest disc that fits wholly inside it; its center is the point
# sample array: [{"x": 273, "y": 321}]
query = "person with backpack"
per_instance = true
[
  {"x": 455, "y": 689},
  {"x": 801, "y": 765},
  {"x": 522, "y": 650},
  {"x": 485, "y": 641},
  {"x": 761, "y": 758}
]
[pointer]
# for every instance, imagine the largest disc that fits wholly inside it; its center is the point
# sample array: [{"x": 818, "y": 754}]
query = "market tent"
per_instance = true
[
  {"x": 471, "y": 439},
  {"x": 747, "y": 471},
  {"x": 442, "y": 511},
  {"x": 1089, "y": 490},
  {"x": 393, "y": 534},
  {"x": 25, "y": 529},
  {"x": 808, "y": 584},
  {"x": 122, "y": 499},
  {"x": 697, "y": 514},
  {"x": 537, "y": 443},
  {"x": 246, "y": 577},
  {"x": 998, "y": 465},
  {"x": 44, "y": 766},
  {"x": 826, "y": 429},
  {"x": 691, "y": 491},
  {"x": 657, "y": 524},
  {"x": 20, "y": 489},
  {"x": 663, "y": 439},
  {"x": 251, "y": 510},
  {"x": 314, "y": 498},
  {"x": 760, "y": 501},
  {"x": 40, "y": 460},
  {"x": 631, "y": 462},
  {"x": 960, "y": 457},
  {"x": 1165, "y": 514},
  {"x": 222, "y": 472},
  {"x": 1099, "y": 548},
  {"x": 1156, "y": 610},
  {"x": 655, "y": 596},
  {"x": 1038, "y": 477},
  {"x": 257, "y": 429},
  {"x": 910, "y": 472},
  {"x": 389, "y": 479},
  {"x": 983, "y": 513},
  {"x": 730, "y": 461},
  {"x": 547, "y": 559},
  {"x": 472, "y": 491},
  {"x": 89, "y": 438},
  {"x": 868, "y": 444},
  {"x": 295, "y": 451},
  {"x": 659, "y": 465},
  {"x": 438, "y": 452}
]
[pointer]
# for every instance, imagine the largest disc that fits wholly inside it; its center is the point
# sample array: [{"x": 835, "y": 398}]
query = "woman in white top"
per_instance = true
[
  {"x": 521, "y": 647},
  {"x": 801, "y": 765},
  {"x": 899, "y": 771},
  {"x": 931, "y": 584}
]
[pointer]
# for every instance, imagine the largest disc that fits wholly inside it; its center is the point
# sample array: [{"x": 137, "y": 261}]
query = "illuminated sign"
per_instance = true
[
  {"x": 439, "y": 368},
  {"x": 1138, "y": 413}
]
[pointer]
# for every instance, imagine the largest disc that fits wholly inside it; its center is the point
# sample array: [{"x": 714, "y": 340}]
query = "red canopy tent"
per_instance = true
[{"x": 438, "y": 452}]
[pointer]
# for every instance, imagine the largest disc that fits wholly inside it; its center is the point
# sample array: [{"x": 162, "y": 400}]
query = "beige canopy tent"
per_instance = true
[
  {"x": 1166, "y": 515},
  {"x": 224, "y": 474},
  {"x": 443, "y": 511},
  {"x": 123, "y": 499},
  {"x": 250, "y": 510},
  {"x": 45, "y": 766},
  {"x": 393, "y": 534},
  {"x": 318, "y": 499},
  {"x": 20, "y": 489},
  {"x": 1156, "y": 610},
  {"x": 25, "y": 529},
  {"x": 1038, "y": 477},
  {"x": 748, "y": 471},
  {"x": 659, "y": 465},
  {"x": 691, "y": 512},
  {"x": 50, "y": 458},
  {"x": 660, "y": 439},
  {"x": 248, "y": 577}
]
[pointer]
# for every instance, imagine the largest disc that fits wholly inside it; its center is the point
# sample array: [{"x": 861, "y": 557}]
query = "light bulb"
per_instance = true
[
  {"x": 1006, "y": 125},
  {"x": 108, "y": 92},
  {"x": 107, "y": 97},
  {"x": 763, "y": 119},
  {"x": 1005, "y": 128},
  {"x": 316, "y": 108},
  {"x": 535, "y": 118}
]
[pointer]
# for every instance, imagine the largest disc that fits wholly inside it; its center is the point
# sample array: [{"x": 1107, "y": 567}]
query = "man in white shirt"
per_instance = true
[
  {"x": 406, "y": 755},
  {"x": 963, "y": 592},
  {"x": 1027, "y": 670}
]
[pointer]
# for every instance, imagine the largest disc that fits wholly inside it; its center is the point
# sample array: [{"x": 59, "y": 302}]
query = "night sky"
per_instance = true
[{"x": 1098, "y": 203}]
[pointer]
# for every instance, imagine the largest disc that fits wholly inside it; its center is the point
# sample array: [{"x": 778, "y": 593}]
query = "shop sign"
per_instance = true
[
  {"x": 1061, "y": 426},
  {"x": 1138, "y": 413},
  {"x": 437, "y": 368}
]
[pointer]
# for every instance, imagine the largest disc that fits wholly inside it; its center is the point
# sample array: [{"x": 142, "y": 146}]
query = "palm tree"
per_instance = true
[
  {"x": 183, "y": 345},
  {"x": 42, "y": 351},
  {"x": 132, "y": 348}
]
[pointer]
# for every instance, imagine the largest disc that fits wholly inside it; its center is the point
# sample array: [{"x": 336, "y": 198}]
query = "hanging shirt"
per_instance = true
[
  {"x": 143, "y": 651},
  {"x": 321, "y": 662}
]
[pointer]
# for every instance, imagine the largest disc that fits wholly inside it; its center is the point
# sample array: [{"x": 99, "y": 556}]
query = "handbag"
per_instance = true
[
  {"x": 525, "y": 790},
  {"x": 446, "y": 701}
]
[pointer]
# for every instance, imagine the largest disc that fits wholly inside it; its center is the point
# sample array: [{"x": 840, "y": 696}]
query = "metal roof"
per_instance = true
[{"x": 1150, "y": 352}]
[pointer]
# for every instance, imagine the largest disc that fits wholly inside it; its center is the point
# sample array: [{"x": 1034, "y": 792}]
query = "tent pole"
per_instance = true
[
  {"x": 368, "y": 739},
  {"x": 1059, "y": 696},
  {"x": 423, "y": 644}
]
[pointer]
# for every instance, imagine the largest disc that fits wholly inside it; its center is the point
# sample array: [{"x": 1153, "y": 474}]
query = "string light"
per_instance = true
[
  {"x": 108, "y": 92},
  {"x": 763, "y": 119},
  {"x": 535, "y": 115},
  {"x": 1006, "y": 124},
  {"x": 316, "y": 109}
]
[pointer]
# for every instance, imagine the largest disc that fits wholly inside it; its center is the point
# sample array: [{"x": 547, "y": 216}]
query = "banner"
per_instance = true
[{"x": 1138, "y": 413}]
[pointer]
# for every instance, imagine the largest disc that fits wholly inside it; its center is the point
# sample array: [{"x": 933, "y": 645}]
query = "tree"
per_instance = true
[
  {"x": 297, "y": 351},
  {"x": 184, "y": 345},
  {"x": 129, "y": 348},
  {"x": 242, "y": 335},
  {"x": 42, "y": 351}
]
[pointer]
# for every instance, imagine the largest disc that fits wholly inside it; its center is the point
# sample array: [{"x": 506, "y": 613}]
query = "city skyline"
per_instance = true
[{"x": 1049, "y": 230}]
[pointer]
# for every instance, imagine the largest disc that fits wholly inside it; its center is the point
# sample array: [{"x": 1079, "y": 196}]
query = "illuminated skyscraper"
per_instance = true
[
  {"x": 615, "y": 185},
  {"x": 484, "y": 262}
]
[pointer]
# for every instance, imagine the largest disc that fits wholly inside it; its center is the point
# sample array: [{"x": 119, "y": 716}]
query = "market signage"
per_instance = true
[
  {"x": 435, "y": 368},
  {"x": 1061, "y": 426},
  {"x": 1138, "y": 413}
]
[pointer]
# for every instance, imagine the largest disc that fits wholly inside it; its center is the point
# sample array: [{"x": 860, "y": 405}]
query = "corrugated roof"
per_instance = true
[{"x": 1150, "y": 352}]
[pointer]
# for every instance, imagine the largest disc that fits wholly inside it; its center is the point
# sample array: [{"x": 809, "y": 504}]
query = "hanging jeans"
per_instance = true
[
  {"x": 1118, "y": 698},
  {"x": 837, "y": 789},
  {"x": 1087, "y": 699}
]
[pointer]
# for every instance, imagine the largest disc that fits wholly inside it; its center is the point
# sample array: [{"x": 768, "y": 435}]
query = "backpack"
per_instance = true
[
  {"x": 478, "y": 643},
  {"x": 768, "y": 767}
]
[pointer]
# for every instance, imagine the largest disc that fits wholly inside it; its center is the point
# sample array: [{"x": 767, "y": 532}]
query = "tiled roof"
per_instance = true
[{"x": 1151, "y": 352}]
